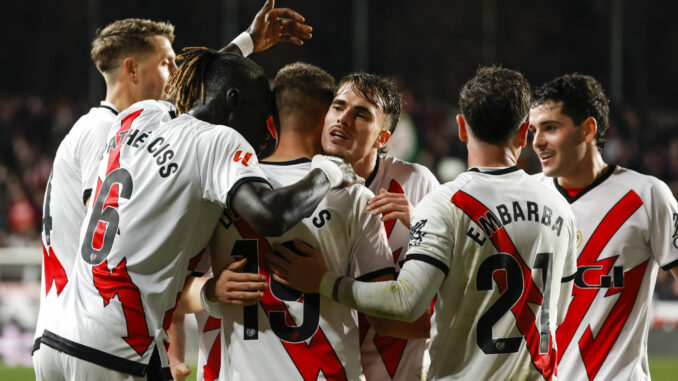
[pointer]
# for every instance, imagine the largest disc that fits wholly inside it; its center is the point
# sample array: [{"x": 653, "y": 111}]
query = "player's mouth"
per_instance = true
[
  {"x": 546, "y": 157},
  {"x": 338, "y": 135}
]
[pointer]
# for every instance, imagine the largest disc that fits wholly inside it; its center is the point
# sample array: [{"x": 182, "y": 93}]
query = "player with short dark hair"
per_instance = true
[
  {"x": 363, "y": 115},
  {"x": 627, "y": 229},
  {"x": 493, "y": 245},
  {"x": 300, "y": 335}
]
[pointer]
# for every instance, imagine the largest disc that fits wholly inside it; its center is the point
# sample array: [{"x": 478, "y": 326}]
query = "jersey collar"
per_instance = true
[
  {"x": 368, "y": 181},
  {"x": 289, "y": 162},
  {"x": 109, "y": 106},
  {"x": 595, "y": 183},
  {"x": 494, "y": 171}
]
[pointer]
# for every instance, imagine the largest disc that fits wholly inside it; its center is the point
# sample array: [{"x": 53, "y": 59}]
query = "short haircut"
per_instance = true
[
  {"x": 206, "y": 71},
  {"x": 124, "y": 38},
  {"x": 379, "y": 91},
  {"x": 494, "y": 103},
  {"x": 298, "y": 82},
  {"x": 582, "y": 96}
]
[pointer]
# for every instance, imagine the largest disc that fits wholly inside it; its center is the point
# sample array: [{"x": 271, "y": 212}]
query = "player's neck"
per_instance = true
[
  {"x": 365, "y": 166},
  {"x": 481, "y": 154},
  {"x": 591, "y": 167},
  {"x": 118, "y": 95},
  {"x": 294, "y": 145}
]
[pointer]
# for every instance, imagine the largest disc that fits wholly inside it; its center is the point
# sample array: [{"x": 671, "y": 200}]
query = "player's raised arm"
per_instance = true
[{"x": 270, "y": 26}]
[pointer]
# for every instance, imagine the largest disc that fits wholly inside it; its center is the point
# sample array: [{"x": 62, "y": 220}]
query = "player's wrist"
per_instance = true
[
  {"x": 331, "y": 170},
  {"x": 329, "y": 284},
  {"x": 210, "y": 304},
  {"x": 245, "y": 43}
]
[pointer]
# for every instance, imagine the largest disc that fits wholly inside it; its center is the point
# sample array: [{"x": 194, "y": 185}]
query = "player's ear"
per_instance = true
[
  {"x": 382, "y": 138},
  {"x": 462, "y": 128},
  {"x": 233, "y": 99},
  {"x": 590, "y": 128},
  {"x": 522, "y": 134},
  {"x": 130, "y": 69}
]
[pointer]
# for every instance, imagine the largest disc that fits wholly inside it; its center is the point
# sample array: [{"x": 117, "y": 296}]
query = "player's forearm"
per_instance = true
[
  {"x": 276, "y": 211},
  {"x": 404, "y": 299}
]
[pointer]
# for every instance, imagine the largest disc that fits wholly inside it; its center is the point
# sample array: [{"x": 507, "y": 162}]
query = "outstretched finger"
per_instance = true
[
  {"x": 268, "y": 6},
  {"x": 281, "y": 280},
  {"x": 246, "y": 277},
  {"x": 288, "y": 13},
  {"x": 247, "y": 286},
  {"x": 292, "y": 39},
  {"x": 237, "y": 265}
]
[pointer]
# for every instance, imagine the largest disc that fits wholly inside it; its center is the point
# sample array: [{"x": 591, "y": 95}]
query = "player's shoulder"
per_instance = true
[
  {"x": 645, "y": 185},
  {"x": 404, "y": 170}
]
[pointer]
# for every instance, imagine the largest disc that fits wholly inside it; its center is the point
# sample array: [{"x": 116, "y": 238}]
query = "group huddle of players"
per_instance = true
[{"x": 307, "y": 252}]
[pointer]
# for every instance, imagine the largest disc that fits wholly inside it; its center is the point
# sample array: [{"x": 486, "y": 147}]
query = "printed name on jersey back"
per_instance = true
[
  {"x": 516, "y": 274},
  {"x": 158, "y": 147}
]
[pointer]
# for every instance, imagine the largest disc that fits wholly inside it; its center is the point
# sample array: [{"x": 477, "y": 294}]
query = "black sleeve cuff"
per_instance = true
[
  {"x": 671, "y": 265},
  {"x": 375, "y": 274},
  {"x": 234, "y": 188},
  {"x": 430, "y": 260}
]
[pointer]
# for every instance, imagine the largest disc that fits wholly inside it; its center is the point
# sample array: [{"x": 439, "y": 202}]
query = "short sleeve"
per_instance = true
[
  {"x": 225, "y": 161},
  {"x": 369, "y": 245},
  {"x": 431, "y": 238},
  {"x": 663, "y": 226}
]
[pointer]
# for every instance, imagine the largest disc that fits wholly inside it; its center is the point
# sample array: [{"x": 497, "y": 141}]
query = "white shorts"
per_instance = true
[{"x": 51, "y": 364}]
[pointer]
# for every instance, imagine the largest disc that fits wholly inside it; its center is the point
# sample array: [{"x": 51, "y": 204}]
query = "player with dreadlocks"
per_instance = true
[{"x": 162, "y": 186}]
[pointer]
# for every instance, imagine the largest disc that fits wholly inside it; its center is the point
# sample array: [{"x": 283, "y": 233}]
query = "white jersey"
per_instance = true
[
  {"x": 209, "y": 330},
  {"x": 73, "y": 170},
  {"x": 162, "y": 185},
  {"x": 290, "y": 335},
  {"x": 504, "y": 242},
  {"x": 383, "y": 357},
  {"x": 627, "y": 228}
]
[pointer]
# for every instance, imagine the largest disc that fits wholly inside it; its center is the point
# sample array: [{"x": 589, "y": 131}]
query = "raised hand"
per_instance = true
[
  {"x": 392, "y": 206},
  {"x": 272, "y": 25}
]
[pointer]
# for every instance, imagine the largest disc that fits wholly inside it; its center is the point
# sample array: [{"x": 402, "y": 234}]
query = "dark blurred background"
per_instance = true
[{"x": 430, "y": 47}]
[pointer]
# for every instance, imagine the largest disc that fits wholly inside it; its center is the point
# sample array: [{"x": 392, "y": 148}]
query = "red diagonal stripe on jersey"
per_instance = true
[
  {"x": 309, "y": 359},
  {"x": 54, "y": 271},
  {"x": 595, "y": 350},
  {"x": 114, "y": 155},
  {"x": 114, "y": 282},
  {"x": 390, "y": 348},
  {"x": 525, "y": 319},
  {"x": 211, "y": 370},
  {"x": 113, "y": 164},
  {"x": 393, "y": 187},
  {"x": 582, "y": 298},
  {"x": 212, "y": 323}
]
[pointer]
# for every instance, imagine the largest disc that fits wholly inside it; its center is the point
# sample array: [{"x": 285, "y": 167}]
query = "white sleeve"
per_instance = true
[
  {"x": 404, "y": 299},
  {"x": 663, "y": 226},
  {"x": 225, "y": 161},
  {"x": 431, "y": 232},
  {"x": 369, "y": 245}
]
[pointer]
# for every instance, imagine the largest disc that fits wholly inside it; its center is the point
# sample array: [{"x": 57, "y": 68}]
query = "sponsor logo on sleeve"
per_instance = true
[
  {"x": 675, "y": 230},
  {"x": 416, "y": 235}
]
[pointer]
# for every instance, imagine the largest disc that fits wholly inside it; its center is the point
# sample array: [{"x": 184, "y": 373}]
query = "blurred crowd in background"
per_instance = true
[{"x": 31, "y": 128}]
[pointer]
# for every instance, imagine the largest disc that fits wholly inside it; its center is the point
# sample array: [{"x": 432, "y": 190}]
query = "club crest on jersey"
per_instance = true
[
  {"x": 243, "y": 158},
  {"x": 416, "y": 234},
  {"x": 675, "y": 230}
]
